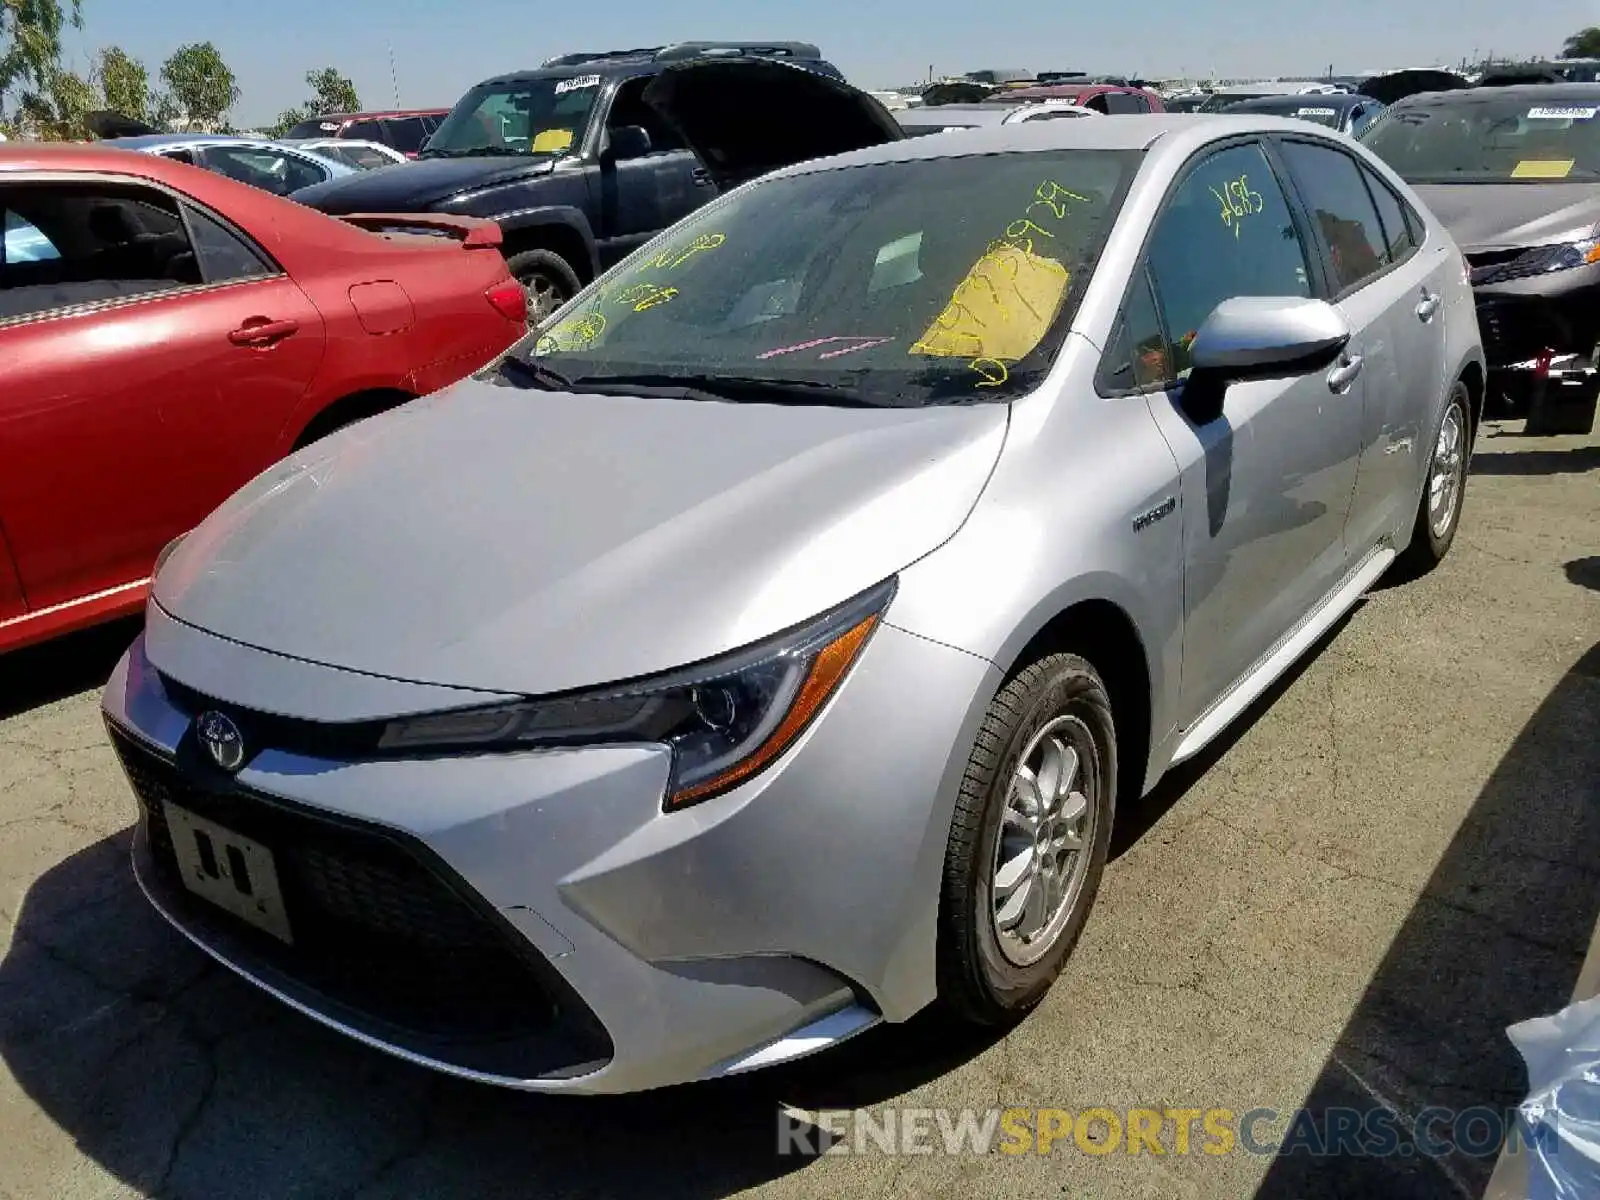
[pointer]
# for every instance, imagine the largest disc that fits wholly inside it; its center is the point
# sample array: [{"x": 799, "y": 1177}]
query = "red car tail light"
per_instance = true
[{"x": 509, "y": 300}]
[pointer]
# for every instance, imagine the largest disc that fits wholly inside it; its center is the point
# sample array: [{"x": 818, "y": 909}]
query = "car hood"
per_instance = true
[
  {"x": 1495, "y": 216},
  {"x": 416, "y": 184},
  {"x": 745, "y": 117},
  {"x": 533, "y": 542}
]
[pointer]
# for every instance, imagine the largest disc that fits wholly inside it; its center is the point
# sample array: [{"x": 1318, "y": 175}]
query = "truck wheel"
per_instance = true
[{"x": 547, "y": 279}]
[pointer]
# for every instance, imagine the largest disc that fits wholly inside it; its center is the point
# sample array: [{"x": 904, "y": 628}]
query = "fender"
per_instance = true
[{"x": 565, "y": 215}]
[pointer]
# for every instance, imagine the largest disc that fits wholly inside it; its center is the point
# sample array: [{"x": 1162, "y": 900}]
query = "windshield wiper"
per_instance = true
[
  {"x": 525, "y": 372},
  {"x": 764, "y": 388}
]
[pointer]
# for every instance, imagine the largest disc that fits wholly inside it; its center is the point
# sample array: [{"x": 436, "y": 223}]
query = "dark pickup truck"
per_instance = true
[{"x": 584, "y": 159}]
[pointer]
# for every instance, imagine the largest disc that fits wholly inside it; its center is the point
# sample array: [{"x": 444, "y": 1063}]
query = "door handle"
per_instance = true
[
  {"x": 1427, "y": 306},
  {"x": 1342, "y": 376},
  {"x": 258, "y": 331}
]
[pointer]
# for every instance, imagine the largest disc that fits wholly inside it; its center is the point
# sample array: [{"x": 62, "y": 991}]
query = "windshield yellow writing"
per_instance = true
[
  {"x": 642, "y": 296},
  {"x": 1001, "y": 309},
  {"x": 676, "y": 256},
  {"x": 575, "y": 333}
]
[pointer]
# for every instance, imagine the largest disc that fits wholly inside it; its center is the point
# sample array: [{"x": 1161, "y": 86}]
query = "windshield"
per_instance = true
[
  {"x": 1489, "y": 139},
  {"x": 1305, "y": 108},
  {"x": 906, "y": 284},
  {"x": 528, "y": 116}
]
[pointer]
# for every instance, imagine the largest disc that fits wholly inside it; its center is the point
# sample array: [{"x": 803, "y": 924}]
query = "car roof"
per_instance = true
[
  {"x": 1131, "y": 132},
  {"x": 1309, "y": 99},
  {"x": 145, "y": 141},
  {"x": 1531, "y": 93},
  {"x": 378, "y": 113}
]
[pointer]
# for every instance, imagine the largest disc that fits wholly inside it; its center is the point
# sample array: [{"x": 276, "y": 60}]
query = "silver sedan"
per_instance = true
[{"x": 761, "y": 649}]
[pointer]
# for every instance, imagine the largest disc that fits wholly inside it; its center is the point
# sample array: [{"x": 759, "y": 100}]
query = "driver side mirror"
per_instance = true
[
  {"x": 1258, "y": 337},
  {"x": 628, "y": 141}
]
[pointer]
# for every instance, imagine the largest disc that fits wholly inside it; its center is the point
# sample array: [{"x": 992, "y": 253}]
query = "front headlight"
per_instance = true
[
  {"x": 1575, "y": 254},
  {"x": 725, "y": 720}
]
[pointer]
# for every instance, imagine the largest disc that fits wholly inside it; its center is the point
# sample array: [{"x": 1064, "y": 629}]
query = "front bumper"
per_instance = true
[{"x": 533, "y": 919}]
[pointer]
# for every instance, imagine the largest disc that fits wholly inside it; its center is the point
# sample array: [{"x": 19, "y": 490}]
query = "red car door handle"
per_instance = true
[{"x": 261, "y": 332}]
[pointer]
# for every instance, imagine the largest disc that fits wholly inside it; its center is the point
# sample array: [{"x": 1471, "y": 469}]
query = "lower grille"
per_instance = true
[{"x": 386, "y": 938}]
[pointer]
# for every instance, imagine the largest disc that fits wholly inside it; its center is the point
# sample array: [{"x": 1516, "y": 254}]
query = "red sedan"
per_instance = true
[{"x": 167, "y": 333}]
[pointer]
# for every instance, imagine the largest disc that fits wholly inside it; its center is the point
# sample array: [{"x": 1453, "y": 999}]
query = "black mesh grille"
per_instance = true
[{"x": 381, "y": 928}]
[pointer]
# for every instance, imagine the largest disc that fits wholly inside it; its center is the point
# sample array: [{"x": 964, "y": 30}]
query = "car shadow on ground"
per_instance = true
[
  {"x": 1498, "y": 935},
  {"x": 60, "y": 668},
  {"x": 1538, "y": 462}
]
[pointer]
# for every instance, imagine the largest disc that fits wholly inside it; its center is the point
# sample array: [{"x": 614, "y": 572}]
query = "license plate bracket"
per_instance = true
[{"x": 235, "y": 873}]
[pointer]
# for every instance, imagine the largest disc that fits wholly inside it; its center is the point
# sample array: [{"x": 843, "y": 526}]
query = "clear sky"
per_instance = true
[{"x": 440, "y": 49}]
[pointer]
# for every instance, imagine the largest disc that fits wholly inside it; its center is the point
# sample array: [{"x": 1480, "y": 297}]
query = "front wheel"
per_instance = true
[
  {"x": 547, "y": 278},
  {"x": 1445, "y": 488},
  {"x": 1028, "y": 840}
]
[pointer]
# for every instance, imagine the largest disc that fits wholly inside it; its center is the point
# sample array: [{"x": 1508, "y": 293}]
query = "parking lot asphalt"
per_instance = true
[{"x": 1392, "y": 858}]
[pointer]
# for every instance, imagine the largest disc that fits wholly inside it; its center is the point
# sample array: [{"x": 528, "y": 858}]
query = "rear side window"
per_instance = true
[
  {"x": 112, "y": 242},
  {"x": 1226, "y": 231},
  {"x": 223, "y": 256},
  {"x": 406, "y": 134},
  {"x": 1397, "y": 228},
  {"x": 1330, "y": 181}
]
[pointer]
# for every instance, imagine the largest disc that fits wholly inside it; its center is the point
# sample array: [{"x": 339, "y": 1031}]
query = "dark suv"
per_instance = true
[{"x": 583, "y": 160}]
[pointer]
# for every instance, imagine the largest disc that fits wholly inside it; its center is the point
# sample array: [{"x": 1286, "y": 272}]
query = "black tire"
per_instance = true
[
  {"x": 979, "y": 980},
  {"x": 1428, "y": 544},
  {"x": 548, "y": 278}
]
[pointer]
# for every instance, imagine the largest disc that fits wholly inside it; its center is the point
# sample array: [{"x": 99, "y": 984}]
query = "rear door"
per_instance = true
[
  {"x": 1385, "y": 287},
  {"x": 146, "y": 372}
]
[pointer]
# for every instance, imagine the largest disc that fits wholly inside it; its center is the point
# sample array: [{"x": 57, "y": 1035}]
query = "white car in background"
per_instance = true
[{"x": 985, "y": 114}]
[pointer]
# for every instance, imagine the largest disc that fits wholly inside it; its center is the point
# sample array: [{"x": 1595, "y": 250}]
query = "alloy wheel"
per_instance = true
[
  {"x": 1046, "y": 830},
  {"x": 1447, "y": 470}
]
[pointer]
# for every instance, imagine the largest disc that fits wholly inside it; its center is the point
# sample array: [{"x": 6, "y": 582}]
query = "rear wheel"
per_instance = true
[
  {"x": 1028, "y": 840},
  {"x": 1439, "y": 513},
  {"x": 547, "y": 278}
]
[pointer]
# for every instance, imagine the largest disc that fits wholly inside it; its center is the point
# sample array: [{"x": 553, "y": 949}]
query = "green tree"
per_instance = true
[
  {"x": 30, "y": 43},
  {"x": 1583, "y": 44},
  {"x": 331, "y": 92},
  {"x": 202, "y": 85},
  {"x": 57, "y": 112},
  {"x": 124, "y": 83}
]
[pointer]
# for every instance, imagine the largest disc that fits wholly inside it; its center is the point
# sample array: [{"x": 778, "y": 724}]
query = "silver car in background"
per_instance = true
[
  {"x": 762, "y": 648},
  {"x": 271, "y": 166}
]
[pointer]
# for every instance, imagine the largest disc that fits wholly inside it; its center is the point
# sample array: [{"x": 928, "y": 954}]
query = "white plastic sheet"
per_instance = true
[{"x": 1560, "y": 1119}]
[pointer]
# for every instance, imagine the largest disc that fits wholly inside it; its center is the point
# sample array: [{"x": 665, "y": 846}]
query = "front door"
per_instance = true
[
  {"x": 1264, "y": 489},
  {"x": 147, "y": 368}
]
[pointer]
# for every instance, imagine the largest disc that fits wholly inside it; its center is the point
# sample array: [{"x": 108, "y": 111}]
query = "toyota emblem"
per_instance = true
[{"x": 222, "y": 740}]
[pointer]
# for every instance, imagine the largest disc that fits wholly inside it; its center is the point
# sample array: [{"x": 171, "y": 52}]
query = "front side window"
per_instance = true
[
  {"x": 111, "y": 243},
  {"x": 1226, "y": 231},
  {"x": 531, "y": 116},
  {"x": 1479, "y": 136},
  {"x": 1138, "y": 354},
  {"x": 1331, "y": 183},
  {"x": 926, "y": 282}
]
